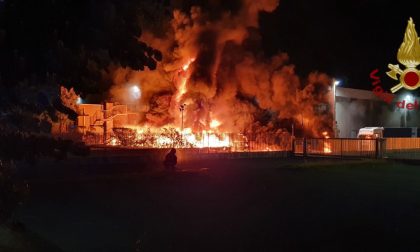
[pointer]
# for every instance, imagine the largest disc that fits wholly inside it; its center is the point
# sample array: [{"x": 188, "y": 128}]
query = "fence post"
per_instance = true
[
  {"x": 376, "y": 148},
  {"x": 341, "y": 147},
  {"x": 304, "y": 147}
]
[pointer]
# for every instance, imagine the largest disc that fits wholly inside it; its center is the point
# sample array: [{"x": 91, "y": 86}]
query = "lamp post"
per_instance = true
[
  {"x": 334, "y": 84},
  {"x": 182, "y": 108}
]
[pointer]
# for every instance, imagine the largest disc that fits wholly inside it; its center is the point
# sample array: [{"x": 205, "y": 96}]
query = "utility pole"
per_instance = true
[
  {"x": 182, "y": 108},
  {"x": 335, "y": 83}
]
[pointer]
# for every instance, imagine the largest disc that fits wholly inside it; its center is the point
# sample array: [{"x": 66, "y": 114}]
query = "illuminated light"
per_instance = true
[
  {"x": 214, "y": 123},
  {"x": 337, "y": 82},
  {"x": 79, "y": 100},
  {"x": 135, "y": 92},
  {"x": 408, "y": 97}
]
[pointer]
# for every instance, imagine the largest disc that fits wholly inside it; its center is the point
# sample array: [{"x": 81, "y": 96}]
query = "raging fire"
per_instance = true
[{"x": 216, "y": 89}]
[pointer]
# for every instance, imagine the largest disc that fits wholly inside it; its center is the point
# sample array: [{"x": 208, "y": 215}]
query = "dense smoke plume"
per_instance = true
[{"x": 216, "y": 67}]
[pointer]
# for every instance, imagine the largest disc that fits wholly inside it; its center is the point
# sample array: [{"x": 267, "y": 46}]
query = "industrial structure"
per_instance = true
[
  {"x": 356, "y": 108},
  {"x": 97, "y": 121}
]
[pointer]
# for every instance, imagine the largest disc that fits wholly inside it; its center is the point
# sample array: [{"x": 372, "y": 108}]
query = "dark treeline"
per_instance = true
[
  {"x": 71, "y": 43},
  {"x": 46, "y": 44}
]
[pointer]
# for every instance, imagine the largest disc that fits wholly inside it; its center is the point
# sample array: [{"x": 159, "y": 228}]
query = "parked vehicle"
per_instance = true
[
  {"x": 371, "y": 133},
  {"x": 387, "y": 132}
]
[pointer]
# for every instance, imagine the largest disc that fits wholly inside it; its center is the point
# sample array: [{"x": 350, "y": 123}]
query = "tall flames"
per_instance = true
[{"x": 214, "y": 68}]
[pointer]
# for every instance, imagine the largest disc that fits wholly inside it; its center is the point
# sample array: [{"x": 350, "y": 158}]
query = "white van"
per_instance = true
[{"x": 371, "y": 133}]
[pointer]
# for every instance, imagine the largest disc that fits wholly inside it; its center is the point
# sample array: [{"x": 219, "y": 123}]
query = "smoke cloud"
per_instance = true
[{"x": 215, "y": 67}]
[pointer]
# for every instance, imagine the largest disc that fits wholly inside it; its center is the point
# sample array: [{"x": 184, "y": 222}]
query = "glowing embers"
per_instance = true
[
  {"x": 170, "y": 137},
  {"x": 143, "y": 137},
  {"x": 114, "y": 141},
  {"x": 208, "y": 139}
]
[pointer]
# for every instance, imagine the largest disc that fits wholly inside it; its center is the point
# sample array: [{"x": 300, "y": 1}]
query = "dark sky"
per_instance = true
[{"x": 346, "y": 39}]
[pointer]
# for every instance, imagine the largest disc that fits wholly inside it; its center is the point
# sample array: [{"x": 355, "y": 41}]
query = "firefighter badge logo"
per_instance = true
[{"x": 409, "y": 56}]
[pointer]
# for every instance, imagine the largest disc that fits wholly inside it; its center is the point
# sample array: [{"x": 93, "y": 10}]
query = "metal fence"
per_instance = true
[
  {"x": 402, "y": 148},
  {"x": 396, "y": 148},
  {"x": 342, "y": 147},
  {"x": 208, "y": 141}
]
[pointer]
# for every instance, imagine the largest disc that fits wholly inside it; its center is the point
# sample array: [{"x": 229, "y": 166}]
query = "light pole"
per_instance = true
[
  {"x": 182, "y": 108},
  {"x": 334, "y": 84}
]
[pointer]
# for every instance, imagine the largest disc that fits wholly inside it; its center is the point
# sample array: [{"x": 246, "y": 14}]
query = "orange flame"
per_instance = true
[
  {"x": 187, "y": 65},
  {"x": 204, "y": 139},
  {"x": 327, "y": 145},
  {"x": 182, "y": 88},
  {"x": 215, "y": 123}
]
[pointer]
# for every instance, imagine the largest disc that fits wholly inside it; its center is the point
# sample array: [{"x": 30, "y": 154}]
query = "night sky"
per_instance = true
[{"x": 346, "y": 39}]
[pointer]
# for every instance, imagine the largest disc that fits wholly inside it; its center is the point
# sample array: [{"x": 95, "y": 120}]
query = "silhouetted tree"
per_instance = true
[
  {"x": 46, "y": 44},
  {"x": 71, "y": 43}
]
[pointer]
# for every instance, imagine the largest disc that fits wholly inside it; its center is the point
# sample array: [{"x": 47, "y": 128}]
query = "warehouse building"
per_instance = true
[{"x": 356, "y": 108}]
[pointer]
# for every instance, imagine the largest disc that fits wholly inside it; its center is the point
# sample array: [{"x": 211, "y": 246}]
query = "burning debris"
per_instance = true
[
  {"x": 136, "y": 136},
  {"x": 213, "y": 67}
]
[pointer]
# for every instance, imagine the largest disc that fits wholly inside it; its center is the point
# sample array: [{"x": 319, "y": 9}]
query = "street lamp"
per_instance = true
[
  {"x": 334, "y": 84},
  {"x": 135, "y": 92},
  {"x": 182, "y": 108}
]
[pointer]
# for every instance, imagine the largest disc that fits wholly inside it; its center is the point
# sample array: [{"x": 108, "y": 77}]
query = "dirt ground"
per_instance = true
[{"x": 233, "y": 205}]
